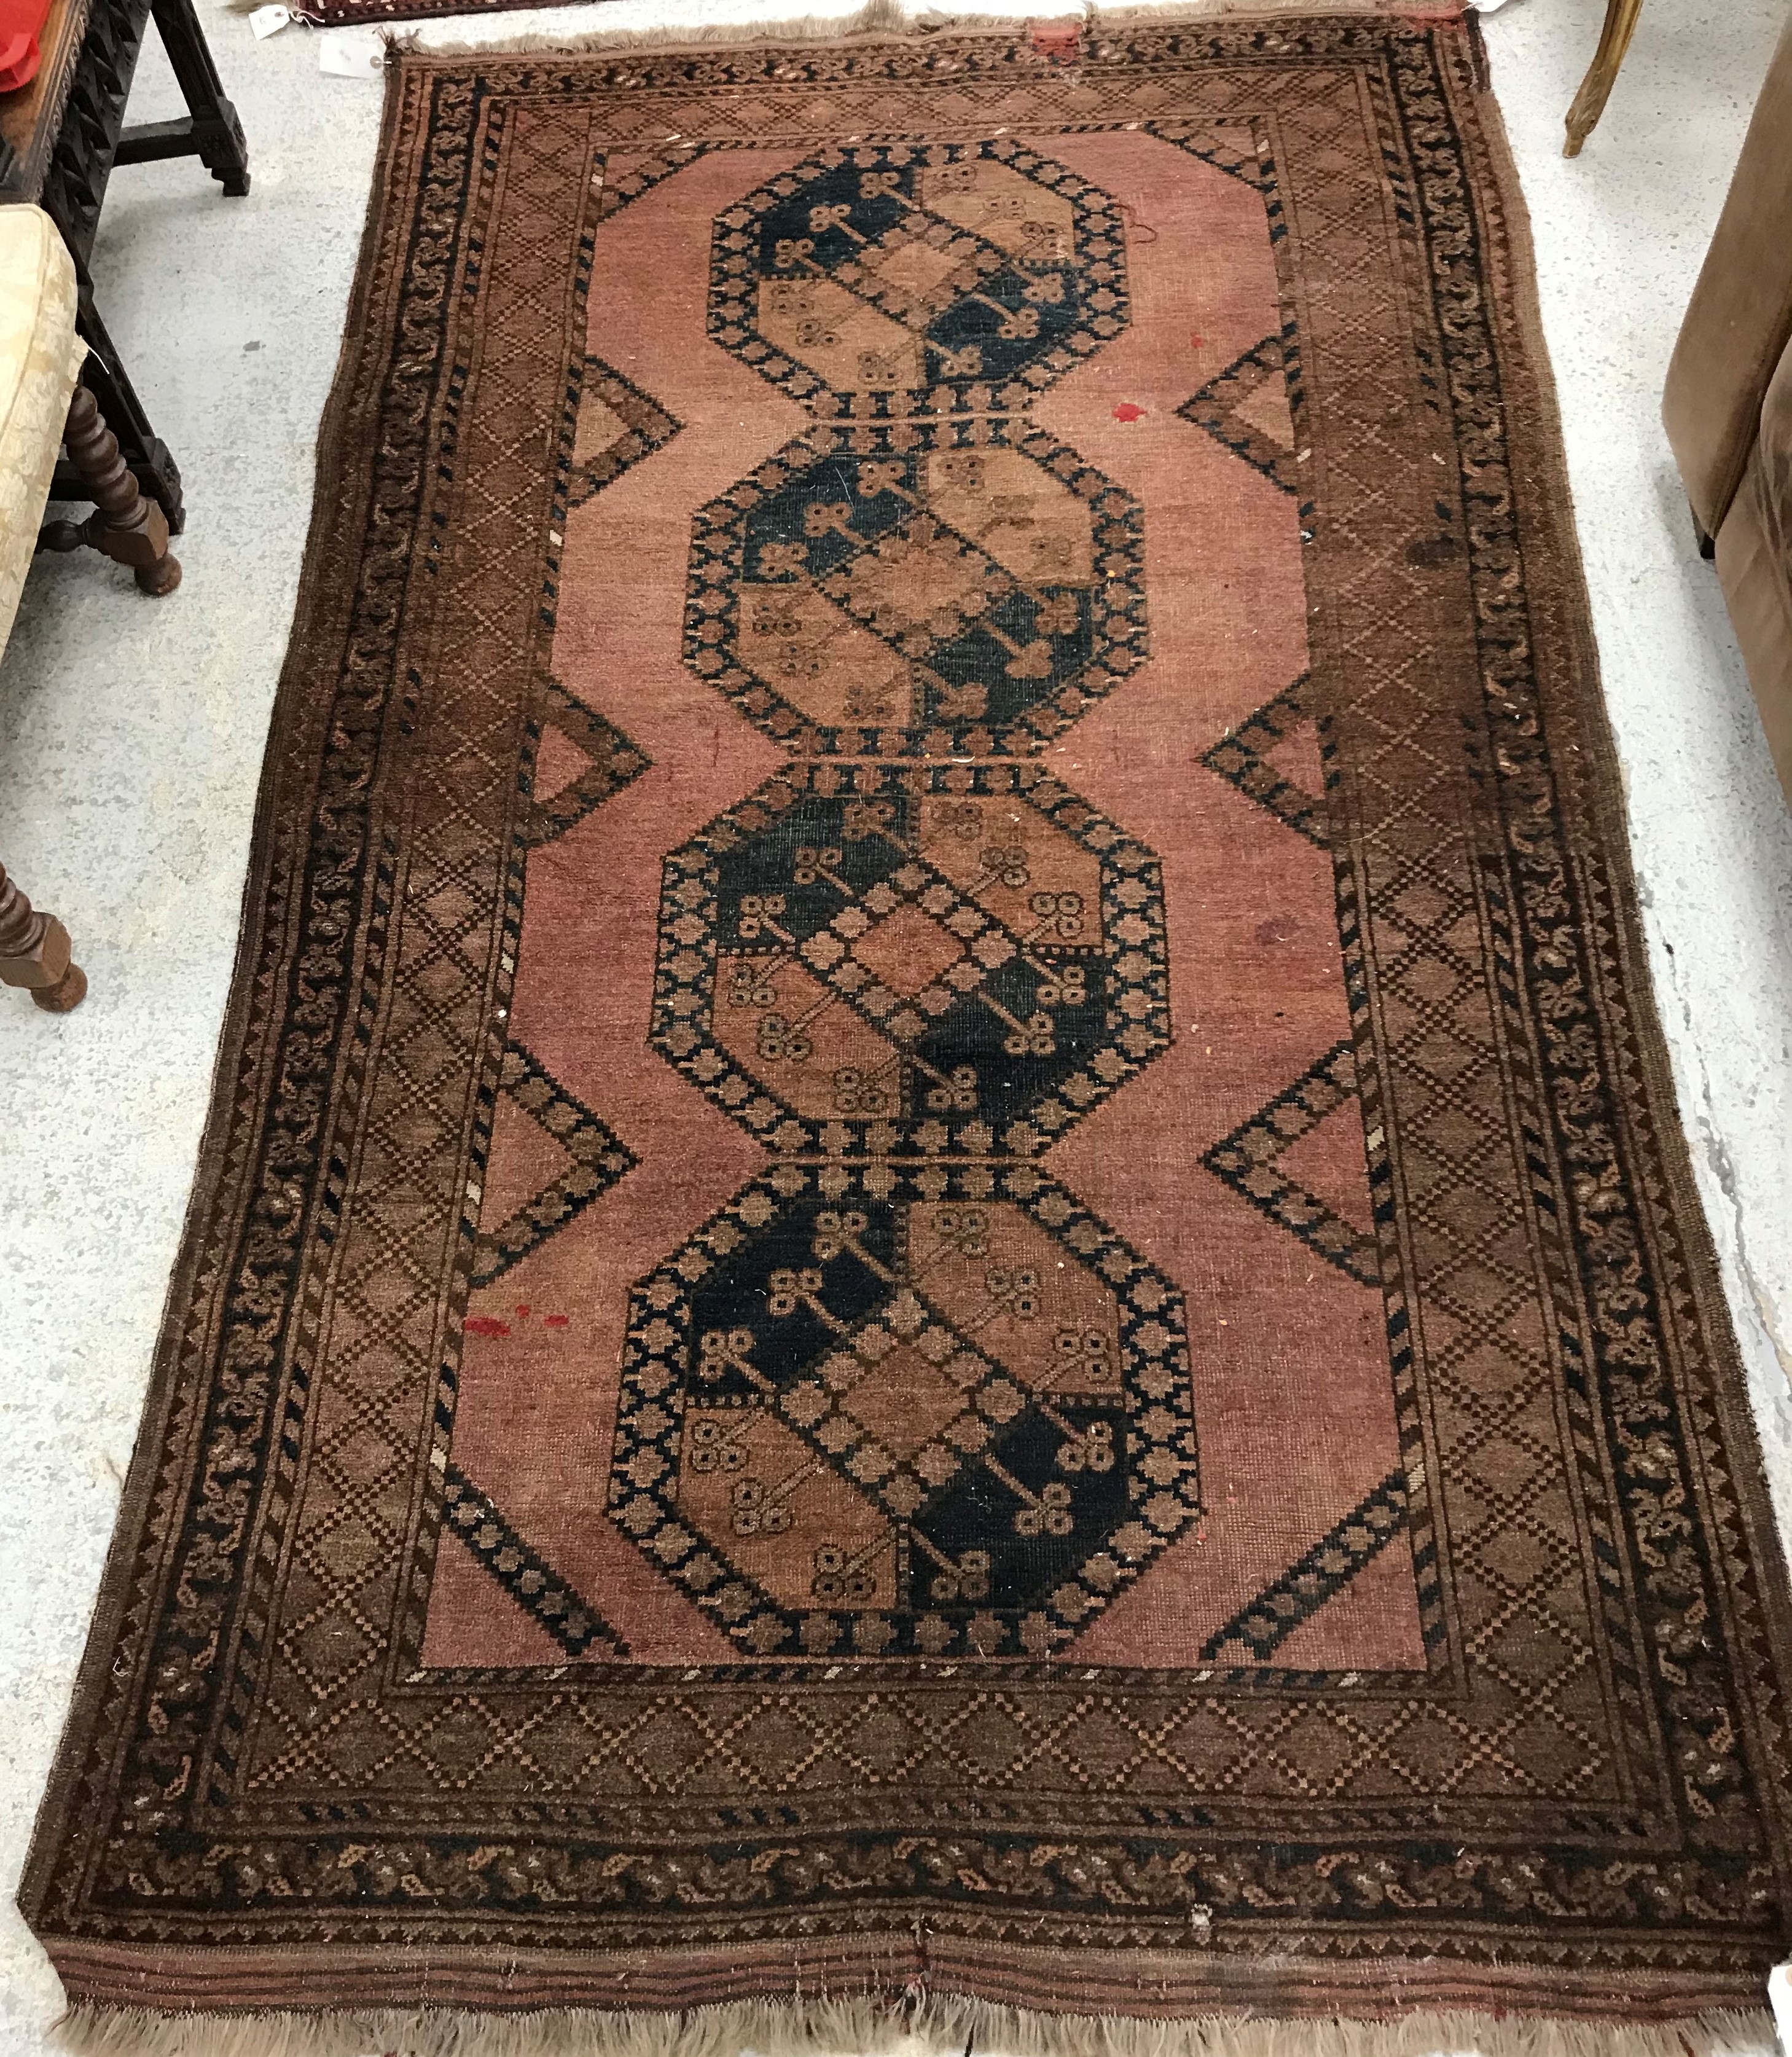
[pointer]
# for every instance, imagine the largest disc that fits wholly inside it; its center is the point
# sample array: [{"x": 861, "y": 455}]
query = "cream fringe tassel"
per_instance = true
[
  {"x": 944, "y": 2025},
  {"x": 639, "y": 25}
]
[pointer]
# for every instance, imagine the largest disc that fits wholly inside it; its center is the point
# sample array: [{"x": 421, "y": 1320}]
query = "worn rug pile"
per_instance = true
[{"x": 943, "y": 1278}]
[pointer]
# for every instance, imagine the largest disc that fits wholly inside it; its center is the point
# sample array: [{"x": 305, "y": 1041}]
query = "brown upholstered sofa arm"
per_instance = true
[{"x": 1740, "y": 317}]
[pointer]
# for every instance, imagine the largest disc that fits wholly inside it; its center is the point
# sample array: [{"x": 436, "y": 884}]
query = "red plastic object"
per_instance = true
[{"x": 20, "y": 21}]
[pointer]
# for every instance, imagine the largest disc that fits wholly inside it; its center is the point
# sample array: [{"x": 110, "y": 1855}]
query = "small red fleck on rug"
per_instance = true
[{"x": 944, "y": 1277}]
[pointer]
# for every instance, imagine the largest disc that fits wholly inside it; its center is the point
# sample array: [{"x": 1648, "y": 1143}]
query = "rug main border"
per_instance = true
[{"x": 103, "y": 1971}]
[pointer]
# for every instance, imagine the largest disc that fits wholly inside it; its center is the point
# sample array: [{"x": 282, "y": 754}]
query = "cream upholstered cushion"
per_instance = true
[{"x": 40, "y": 359}]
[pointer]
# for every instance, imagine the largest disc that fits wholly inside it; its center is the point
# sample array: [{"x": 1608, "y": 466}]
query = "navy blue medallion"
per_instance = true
[
  {"x": 925, "y": 572},
  {"x": 880, "y": 1427}
]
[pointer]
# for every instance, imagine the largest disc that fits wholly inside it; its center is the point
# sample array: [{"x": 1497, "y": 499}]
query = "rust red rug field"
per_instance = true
[{"x": 943, "y": 1248}]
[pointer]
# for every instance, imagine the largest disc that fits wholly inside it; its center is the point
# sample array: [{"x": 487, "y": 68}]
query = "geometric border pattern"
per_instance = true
[{"x": 1648, "y": 1883}]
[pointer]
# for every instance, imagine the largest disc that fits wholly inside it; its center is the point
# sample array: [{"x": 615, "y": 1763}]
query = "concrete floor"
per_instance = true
[{"x": 131, "y": 735}]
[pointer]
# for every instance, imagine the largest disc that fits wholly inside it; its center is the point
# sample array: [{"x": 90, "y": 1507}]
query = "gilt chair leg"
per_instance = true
[
  {"x": 1595, "y": 88},
  {"x": 34, "y": 953},
  {"x": 123, "y": 525}
]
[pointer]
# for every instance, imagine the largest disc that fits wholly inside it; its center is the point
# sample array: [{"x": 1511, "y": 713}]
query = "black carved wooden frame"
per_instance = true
[{"x": 91, "y": 139}]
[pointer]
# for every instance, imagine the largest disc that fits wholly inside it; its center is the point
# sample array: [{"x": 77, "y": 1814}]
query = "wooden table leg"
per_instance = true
[
  {"x": 34, "y": 953},
  {"x": 1595, "y": 88},
  {"x": 210, "y": 129},
  {"x": 123, "y": 525},
  {"x": 148, "y": 455}
]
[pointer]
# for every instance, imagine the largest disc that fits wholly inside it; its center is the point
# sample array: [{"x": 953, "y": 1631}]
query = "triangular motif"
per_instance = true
[
  {"x": 1248, "y": 1161},
  {"x": 592, "y": 1160},
  {"x": 1269, "y": 1620},
  {"x": 1235, "y": 146},
  {"x": 530, "y": 1581},
  {"x": 628, "y": 174},
  {"x": 1263, "y": 756},
  {"x": 1330, "y": 1160},
  {"x": 1253, "y": 408},
  {"x": 618, "y": 425},
  {"x": 580, "y": 760}
]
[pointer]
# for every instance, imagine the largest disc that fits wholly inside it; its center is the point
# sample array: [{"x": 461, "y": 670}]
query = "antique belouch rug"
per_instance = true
[{"x": 943, "y": 1257}]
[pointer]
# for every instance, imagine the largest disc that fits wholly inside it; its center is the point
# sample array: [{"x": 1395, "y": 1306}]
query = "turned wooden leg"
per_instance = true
[
  {"x": 1595, "y": 88},
  {"x": 123, "y": 525},
  {"x": 34, "y": 953},
  {"x": 158, "y": 476}
]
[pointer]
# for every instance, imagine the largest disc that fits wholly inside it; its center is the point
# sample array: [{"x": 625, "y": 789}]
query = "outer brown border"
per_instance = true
[
  {"x": 1592, "y": 764},
  {"x": 319, "y": 617},
  {"x": 1079, "y": 1981}
]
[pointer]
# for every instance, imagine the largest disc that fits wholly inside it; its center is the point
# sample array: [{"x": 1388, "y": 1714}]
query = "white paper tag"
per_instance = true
[
  {"x": 1779, "y": 1998},
  {"x": 266, "y": 21},
  {"x": 352, "y": 53}
]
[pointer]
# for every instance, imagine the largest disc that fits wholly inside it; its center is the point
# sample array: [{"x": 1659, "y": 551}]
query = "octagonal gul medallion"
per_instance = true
[
  {"x": 911, "y": 965},
  {"x": 925, "y": 572},
  {"x": 944, "y": 279},
  {"x": 938, "y": 598},
  {"x": 853, "y": 1425}
]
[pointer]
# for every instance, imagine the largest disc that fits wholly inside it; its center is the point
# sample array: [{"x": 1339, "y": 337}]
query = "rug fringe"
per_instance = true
[
  {"x": 869, "y": 2026},
  {"x": 643, "y": 25}
]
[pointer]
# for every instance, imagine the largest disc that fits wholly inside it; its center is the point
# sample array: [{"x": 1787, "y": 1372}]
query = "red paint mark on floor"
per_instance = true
[
  {"x": 1127, "y": 410},
  {"x": 486, "y": 1324}
]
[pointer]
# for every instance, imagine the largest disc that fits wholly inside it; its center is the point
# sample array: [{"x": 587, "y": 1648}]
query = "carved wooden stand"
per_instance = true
[
  {"x": 34, "y": 953},
  {"x": 94, "y": 140},
  {"x": 123, "y": 525},
  {"x": 60, "y": 139}
]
